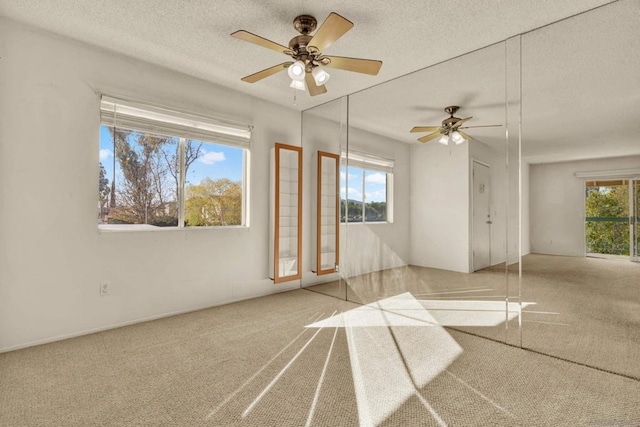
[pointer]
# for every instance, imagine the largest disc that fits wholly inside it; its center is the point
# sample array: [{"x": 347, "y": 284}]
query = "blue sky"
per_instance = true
[
  {"x": 215, "y": 161},
  {"x": 375, "y": 185},
  {"x": 221, "y": 161}
]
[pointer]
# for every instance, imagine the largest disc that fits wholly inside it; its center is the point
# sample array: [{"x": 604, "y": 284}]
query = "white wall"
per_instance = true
[
  {"x": 364, "y": 248},
  {"x": 557, "y": 203},
  {"x": 323, "y": 129},
  {"x": 440, "y": 206},
  {"x": 52, "y": 256}
]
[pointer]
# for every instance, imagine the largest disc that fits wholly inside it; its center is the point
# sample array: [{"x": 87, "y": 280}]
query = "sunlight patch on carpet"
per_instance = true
[{"x": 399, "y": 344}]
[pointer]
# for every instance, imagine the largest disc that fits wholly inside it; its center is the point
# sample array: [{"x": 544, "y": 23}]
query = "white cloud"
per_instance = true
[
  {"x": 377, "y": 178},
  {"x": 211, "y": 157},
  {"x": 377, "y": 196},
  {"x": 355, "y": 194},
  {"x": 105, "y": 154}
]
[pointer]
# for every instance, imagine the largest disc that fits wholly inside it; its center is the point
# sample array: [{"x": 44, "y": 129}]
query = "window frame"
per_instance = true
[
  {"x": 368, "y": 163},
  {"x": 184, "y": 127}
]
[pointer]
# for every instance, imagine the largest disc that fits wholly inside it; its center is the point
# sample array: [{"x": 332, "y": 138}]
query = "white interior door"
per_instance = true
[
  {"x": 635, "y": 219},
  {"x": 481, "y": 234}
]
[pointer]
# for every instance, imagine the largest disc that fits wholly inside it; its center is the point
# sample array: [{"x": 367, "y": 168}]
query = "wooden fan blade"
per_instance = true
[
  {"x": 465, "y": 136},
  {"x": 424, "y": 129},
  {"x": 430, "y": 137},
  {"x": 459, "y": 122},
  {"x": 311, "y": 86},
  {"x": 266, "y": 73},
  {"x": 481, "y": 126},
  {"x": 365, "y": 66},
  {"x": 331, "y": 30},
  {"x": 260, "y": 41}
]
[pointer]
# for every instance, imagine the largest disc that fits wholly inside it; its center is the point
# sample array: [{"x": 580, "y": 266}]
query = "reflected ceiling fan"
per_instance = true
[
  {"x": 450, "y": 130},
  {"x": 307, "y": 68}
]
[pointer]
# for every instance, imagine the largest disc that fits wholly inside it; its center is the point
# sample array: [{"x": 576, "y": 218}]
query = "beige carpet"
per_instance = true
[
  {"x": 254, "y": 363},
  {"x": 585, "y": 310}
]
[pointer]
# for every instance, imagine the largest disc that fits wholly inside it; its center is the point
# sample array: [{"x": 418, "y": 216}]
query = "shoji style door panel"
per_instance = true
[
  {"x": 286, "y": 213},
  {"x": 328, "y": 213}
]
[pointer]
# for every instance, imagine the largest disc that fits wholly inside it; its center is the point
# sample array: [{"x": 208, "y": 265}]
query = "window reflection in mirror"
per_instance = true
[{"x": 425, "y": 254}]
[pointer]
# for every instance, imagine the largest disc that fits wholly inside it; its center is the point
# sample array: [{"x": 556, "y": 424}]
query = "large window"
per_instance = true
[
  {"x": 161, "y": 168},
  {"x": 366, "y": 184}
]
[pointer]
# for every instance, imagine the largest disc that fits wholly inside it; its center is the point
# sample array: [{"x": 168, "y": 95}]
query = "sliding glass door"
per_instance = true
[
  {"x": 607, "y": 219},
  {"x": 612, "y": 228}
]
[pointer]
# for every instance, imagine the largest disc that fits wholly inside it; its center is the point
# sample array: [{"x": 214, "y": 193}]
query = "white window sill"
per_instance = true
[
  {"x": 128, "y": 228},
  {"x": 366, "y": 223}
]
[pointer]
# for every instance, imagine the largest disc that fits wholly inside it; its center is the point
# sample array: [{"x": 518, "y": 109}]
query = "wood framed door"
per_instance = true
[
  {"x": 286, "y": 213},
  {"x": 328, "y": 213}
]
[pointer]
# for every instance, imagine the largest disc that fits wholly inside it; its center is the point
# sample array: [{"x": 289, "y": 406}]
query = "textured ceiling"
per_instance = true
[
  {"x": 192, "y": 36},
  {"x": 580, "y": 76},
  {"x": 580, "y": 86}
]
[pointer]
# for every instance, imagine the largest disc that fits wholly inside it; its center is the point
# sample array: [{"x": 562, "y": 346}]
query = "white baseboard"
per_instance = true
[{"x": 135, "y": 321}]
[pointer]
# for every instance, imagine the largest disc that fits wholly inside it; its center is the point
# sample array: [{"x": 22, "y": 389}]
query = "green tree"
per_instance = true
[
  {"x": 351, "y": 210},
  {"x": 214, "y": 202},
  {"x": 375, "y": 211},
  {"x": 143, "y": 195},
  {"x": 192, "y": 150},
  {"x": 103, "y": 190},
  {"x": 607, "y": 212}
]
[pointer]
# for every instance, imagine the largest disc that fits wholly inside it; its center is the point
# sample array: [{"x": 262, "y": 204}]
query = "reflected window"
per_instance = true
[
  {"x": 607, "y": 217},
  {"x": 365, "y": 189}
]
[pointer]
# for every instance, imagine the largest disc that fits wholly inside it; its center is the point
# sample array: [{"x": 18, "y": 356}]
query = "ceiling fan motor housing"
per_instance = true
[
  {"x": 299, "y": 44},
  {"x": 450, "y": 121},
  {"x": 451, "y": 109},
  {"x": 305, "y": 24}
]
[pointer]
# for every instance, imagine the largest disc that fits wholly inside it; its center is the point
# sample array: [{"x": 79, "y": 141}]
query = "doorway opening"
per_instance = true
[{"x": 611, "y": 219}]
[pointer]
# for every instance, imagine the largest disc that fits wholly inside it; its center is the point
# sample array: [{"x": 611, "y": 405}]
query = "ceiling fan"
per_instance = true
[
  {"x": 449, "y": 130},
  {"x": 307, "y": 68}
]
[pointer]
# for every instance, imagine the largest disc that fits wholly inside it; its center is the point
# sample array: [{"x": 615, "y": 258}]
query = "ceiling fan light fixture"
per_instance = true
[
  {"x": 320, "y": 75},
  {"x": 296, "y": 70},
  {"x": 444, "y": 139},
  {"x": 457, "y": 137},
  {"x": 305, "y": 50},
  {"x": 298, "y": 85}
]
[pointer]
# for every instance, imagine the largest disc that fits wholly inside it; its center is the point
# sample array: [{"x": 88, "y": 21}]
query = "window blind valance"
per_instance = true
[
  {"x": 617, "y": 173},
  {"x": 148, "y": 118},
  {"x": 367, "y": 161}
]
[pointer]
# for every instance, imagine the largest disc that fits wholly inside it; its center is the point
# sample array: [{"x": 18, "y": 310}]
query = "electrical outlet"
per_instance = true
[{"x": 105, "y": 289}]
